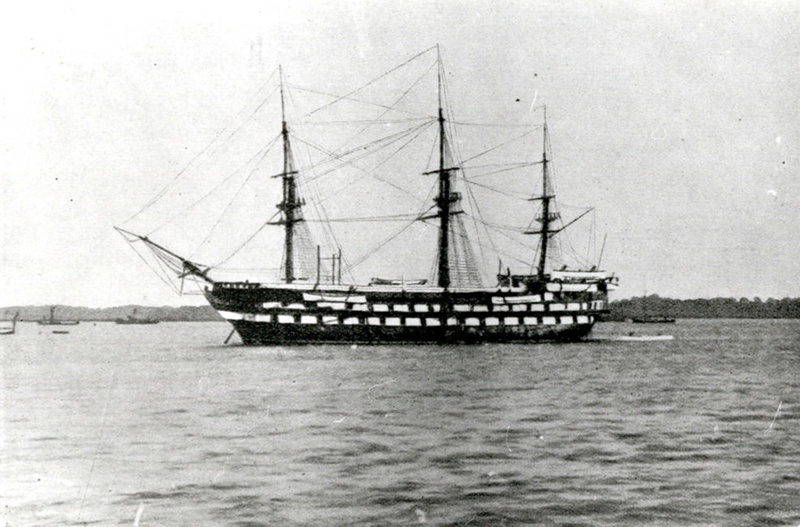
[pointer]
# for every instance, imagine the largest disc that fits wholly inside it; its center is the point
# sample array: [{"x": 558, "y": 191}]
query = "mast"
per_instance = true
[
  {"x": 546, "y": 197},
  {"x": 447, "y": 198},
  {"x": 546, "y": 218},
  {"x": 290, "y": 204},
  {"x": 443, "y": 200}
]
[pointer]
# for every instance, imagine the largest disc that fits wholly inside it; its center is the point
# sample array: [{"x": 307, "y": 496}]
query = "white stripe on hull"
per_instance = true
[
  {"x": 274, "y": 315},
  {"x": 472, "y": 321}
]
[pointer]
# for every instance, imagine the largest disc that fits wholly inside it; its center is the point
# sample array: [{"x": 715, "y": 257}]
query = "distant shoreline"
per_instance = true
[
  {"x": 743, "y": 308},
  {"x": 620, "y": 310},
  {"x": 111, "y": 314}
]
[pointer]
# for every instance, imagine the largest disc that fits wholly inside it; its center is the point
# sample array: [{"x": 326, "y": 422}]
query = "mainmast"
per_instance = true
[
  {"x": 290, "y": 206},
  {"x": 445, "y": 198}
]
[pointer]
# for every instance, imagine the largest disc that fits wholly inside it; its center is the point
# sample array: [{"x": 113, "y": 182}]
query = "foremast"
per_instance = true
[{"x": 290, "y": 208}]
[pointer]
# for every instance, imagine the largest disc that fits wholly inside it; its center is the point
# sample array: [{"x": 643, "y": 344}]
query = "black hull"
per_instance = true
[
  {"x": 263, "y": 334},
  {"x": 267, "y": 315}
]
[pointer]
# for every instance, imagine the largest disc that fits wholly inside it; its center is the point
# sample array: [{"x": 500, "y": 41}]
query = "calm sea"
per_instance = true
[{"x": 165, "y": 426}]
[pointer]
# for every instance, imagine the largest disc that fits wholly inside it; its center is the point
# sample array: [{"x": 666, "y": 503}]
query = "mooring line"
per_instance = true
[
  {"x": 777, "y": 412},
  {"x": 97, "y": 446}
]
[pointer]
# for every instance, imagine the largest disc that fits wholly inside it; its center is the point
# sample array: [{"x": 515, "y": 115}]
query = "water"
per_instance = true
[{"x": 109, "y": 424}]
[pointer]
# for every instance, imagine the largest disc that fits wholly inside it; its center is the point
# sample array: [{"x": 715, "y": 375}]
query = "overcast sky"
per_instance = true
[{"x": 679, "y": 121}]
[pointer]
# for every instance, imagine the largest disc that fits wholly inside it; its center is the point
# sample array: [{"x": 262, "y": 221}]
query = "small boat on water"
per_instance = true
[
  {"x": 653, "y": 320},
  {"x": 643, "y": 338},
  {"x": 133, "y": 319},
  {"x": 53, "y": 321},
  {"x": 635, "y": 338},
  {"x": 9, "y": 329}
]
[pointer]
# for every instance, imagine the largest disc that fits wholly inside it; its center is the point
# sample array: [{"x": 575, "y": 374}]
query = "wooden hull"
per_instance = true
[
  {"x": 261, "y": 334},
  {"x": 266, "y": 315}
]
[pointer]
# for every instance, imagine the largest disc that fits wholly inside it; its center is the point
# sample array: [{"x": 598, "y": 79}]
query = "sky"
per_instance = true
[{"x": 678, "y": 121}]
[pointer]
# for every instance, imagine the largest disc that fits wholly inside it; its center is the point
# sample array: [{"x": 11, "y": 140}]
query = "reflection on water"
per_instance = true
[{"x": 162, "y": 423}]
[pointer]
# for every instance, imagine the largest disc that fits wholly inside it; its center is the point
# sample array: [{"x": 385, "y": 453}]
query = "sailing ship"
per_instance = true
[
  {"x": 10, "y": 329},
  {"x": 134, "y": 319},
  {"x": 311, "y": 303},
  {"x": 53, "y": 321}
]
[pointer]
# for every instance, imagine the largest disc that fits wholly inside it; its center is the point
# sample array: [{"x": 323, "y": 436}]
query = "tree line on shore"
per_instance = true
[
  {"x": 649, "y": 306},
  {"x": 108, "y": 314},
  {"x": 656, "y": 306}
]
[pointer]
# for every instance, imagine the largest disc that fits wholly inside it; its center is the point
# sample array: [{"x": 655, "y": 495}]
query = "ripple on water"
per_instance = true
[{"x": 696, "y": 433}]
